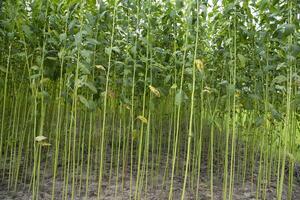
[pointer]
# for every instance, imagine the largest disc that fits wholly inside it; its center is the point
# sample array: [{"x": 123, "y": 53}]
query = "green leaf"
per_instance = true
[
  {"x": 295, "y": 49},
  {"x": 91, "y": 86},
  {"x": 279, "y": 79},
  {"x": 259, "y": 121},
  {"x": 167, "y": 79},
  {"x": 275, "y": 114},
  {"x": 280, "y": 87},
  {"x": 78, "y": 83},
  {"x": 178, "y": 98},
  {"x": 84, "y": 69},
  {"x": 86, "y": 53},
  {"x": 242, "y": 60},
  {"x": 26, "y": 29},
  {"x": 42, "y": 94},
  {"x": 109, "y": 50},
  {"x": 188, "y": 71},
  {"x": 296, "y": 102},
  {"x": 78, "y": 38},
  {"x": 84, "y": 101},
  {"x": 92, "y": 105},
  {"x": 135, "y": 135},
  {"x": 87, "y": 103},
  {"x": 116, "y": 49},
  {"x": 62, "y": 37},
  {"x": 230, "y": 89},
  {"x": 2, "y": 69},
  {"x": 51, "y": 58},
  {"x": 224, "y": 82},
  {"x": 92, "y": 41},
  {"x": 34, "y": 76},
  {"x": 289, "y": 29}
]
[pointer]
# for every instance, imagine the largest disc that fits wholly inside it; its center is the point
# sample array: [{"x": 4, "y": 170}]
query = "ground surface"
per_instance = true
[{"x": 155, "y": 191}]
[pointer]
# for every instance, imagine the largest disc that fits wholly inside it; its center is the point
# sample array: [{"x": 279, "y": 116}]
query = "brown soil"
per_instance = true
[{"x": 154, "y": 191}]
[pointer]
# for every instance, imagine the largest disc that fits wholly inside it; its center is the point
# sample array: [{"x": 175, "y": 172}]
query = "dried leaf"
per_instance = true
[
  {"x": 237, "y": 93},
  {"x": 111, "y": 94},
  {"x": 207, "y": 89},
  {"x": 100, "y": 67},
  {"x": 127, "y": 106},
  {"x": 143, "y": 119},
  {"x": 199, "y": 64},
  {"x": 154, "y": 91}
]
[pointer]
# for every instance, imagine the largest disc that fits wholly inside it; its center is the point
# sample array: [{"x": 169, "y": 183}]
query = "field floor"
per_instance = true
[{"x": 156, "y": 189}]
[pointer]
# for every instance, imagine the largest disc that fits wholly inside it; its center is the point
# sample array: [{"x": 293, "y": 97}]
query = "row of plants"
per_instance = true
[{"x": 146, "y": 89}]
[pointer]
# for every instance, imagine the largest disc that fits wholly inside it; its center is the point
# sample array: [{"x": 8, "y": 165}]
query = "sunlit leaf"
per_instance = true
[
  {"x": 143, "y": 119},
  {"x": 40, "y": 138},
  {"x": 174, "y": 86},
  {"x": 100, "y": 67},
  {"x": 199, "y": 64},
  {"x": 154, "y": 91}
]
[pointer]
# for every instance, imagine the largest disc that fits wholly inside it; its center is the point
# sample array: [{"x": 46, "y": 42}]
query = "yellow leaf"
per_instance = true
[
  {"x": 199, "y": 64},
  {"x": 45, "y": 144},
  {"x": 40, "y": 138},
  {"x": 127, "y": 106},
  {"x": 290, "y": 156},
  {"x": 237, "y": 93},
  {"x": 207, "y": 89},
  {"x": 100, "y": 67},
  {"x": 174, "y": 86},
  {"x": 134, "y": 134},
  {"x": 44, "y": 80},
  {"x": 298, "y": 140},
  {"x": 154, "y": 91},
  {"x": 143, "y": 119}
]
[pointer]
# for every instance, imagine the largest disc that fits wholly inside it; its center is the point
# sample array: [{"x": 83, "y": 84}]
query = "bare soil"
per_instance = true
[{"x": 111, "y": 190}]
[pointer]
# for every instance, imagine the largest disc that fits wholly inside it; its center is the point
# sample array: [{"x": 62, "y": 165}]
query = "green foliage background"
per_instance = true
[{"x": 77, "y": 60}]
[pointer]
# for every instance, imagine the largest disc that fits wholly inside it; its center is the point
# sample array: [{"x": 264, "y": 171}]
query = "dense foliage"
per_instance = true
[{"x": 149, "y": 85}]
